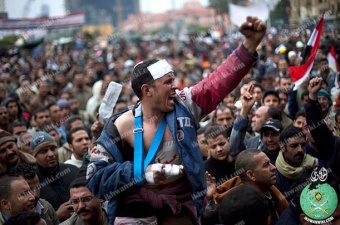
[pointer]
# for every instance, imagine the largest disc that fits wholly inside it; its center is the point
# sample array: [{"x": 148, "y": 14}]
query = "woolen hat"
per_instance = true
[{"x": 40, "y": 141}]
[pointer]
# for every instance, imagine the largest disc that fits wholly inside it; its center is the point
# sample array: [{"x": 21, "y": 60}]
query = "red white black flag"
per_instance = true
[{"x": 300, "y": 73}]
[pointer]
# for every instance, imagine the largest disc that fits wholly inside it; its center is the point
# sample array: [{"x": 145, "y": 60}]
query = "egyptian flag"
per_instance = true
[
  {"x": 300, "y": 73},
  {"x": 331, "y": 57}
]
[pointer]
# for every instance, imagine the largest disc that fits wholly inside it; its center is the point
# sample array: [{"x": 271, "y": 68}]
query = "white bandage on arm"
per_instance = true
[
  {"x": 173, "y": 170},
  {"x": 149, "y": 177}
]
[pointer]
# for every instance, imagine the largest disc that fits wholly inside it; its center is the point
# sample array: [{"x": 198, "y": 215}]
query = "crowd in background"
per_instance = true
[{"x": 62, "y": 89}]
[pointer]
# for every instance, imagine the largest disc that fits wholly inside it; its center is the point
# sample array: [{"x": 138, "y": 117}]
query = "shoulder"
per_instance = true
[
  {"x": 68, "y": 169},
  {"x": 125, "y": 123},
  {"x": 70, "y": 221}
]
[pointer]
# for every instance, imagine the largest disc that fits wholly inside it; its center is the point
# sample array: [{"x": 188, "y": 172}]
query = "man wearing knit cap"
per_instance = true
[
  {"x": 54, "y": 177},
  {"x": 10, "y": 156},
  {"x": 326, "y": 103}
]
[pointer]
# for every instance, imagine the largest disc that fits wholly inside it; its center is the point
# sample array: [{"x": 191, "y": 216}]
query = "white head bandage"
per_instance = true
[{"x": 159, "y": 69}]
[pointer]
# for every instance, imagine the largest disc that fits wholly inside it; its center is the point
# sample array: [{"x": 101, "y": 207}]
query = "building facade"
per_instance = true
[
  {"x": 191, "y": 16},
  {"x": 304, "y": 9}
]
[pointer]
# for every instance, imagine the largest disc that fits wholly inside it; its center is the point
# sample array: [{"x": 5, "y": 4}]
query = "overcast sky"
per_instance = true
[{"x": 15, "y": 8}]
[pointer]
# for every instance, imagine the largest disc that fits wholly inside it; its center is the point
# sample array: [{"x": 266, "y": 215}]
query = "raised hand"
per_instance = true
[
  {"x": 253, "y": 30},
  {"x": 247, "y": 101},
  {"x": 314, "y": 87},
  {"x": 211, "y": 185}
]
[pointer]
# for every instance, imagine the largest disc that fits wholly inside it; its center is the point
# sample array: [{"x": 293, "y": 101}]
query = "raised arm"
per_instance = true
[
  {"x": 322, "y": 135},
  {"x": 241, "y": 123},
  {"x": 208, "y": 93}
]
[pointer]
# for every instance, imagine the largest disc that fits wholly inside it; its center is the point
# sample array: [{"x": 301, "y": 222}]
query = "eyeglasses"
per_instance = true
[{"x": 75, "y": 201}]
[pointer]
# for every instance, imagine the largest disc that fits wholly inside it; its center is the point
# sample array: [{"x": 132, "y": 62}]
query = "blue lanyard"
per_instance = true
[{"x": 138, "y": 167}]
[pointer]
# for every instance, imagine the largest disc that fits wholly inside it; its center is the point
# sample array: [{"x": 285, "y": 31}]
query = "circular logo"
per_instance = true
[{"x": 319, "y": 203}]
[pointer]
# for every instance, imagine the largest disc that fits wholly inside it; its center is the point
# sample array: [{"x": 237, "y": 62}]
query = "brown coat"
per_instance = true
[
  {"x": 23, "y": 158},
  {"x": 223, "y": 189}
]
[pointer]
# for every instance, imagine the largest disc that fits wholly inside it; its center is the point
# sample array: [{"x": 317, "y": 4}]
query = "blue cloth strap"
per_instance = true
[{"x": 140, "y": 166}]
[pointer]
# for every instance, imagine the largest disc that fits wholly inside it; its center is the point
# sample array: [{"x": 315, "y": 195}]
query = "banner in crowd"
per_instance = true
[
  {"x": 237, "y": 12},
  {"x": 76, "y": 19}
]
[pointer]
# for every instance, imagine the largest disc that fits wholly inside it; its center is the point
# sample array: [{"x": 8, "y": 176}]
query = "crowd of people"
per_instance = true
[{"x": 208, "y": 135}]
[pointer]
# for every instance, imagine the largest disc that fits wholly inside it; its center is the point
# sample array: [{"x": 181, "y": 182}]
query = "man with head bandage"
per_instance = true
[{"x": 147, "y": 162}]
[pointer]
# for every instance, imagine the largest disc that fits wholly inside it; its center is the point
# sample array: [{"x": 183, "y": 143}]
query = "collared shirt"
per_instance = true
[{"x": 39, "y": 208}]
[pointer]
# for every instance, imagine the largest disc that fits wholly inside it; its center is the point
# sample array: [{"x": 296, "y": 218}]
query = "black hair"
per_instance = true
[
  {"x": 23, "y": 170},
  {"x": 38, "y": 110},
  {"x": 5, "y": 186},
  {"x": 15, "y": 124},
  {"x": 215, "y": 131},
  {"x": 291, "y": 132},
  {"x": 141, "y": 75},
  {"x": 69, "y": 135},
  {"x": 300, "y": 113},
  {"x": 304, "y": 94},
  {"x": 24, "y": 218},
  {"x": 245, "y": 161},
  {"x": 270, "y": 92},
  {"x": 70, "y": 120},
  {"x": 78, "y": 182},
  {"x": 245, "y": 205},
  {"x": 273, "y": 113}
]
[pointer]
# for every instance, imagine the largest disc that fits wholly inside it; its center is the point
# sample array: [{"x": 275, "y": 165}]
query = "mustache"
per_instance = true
[
  {"x": 300, "y": 154},
  {"x": 83, "y": 210},
  {"x": 11, "y": 155}
]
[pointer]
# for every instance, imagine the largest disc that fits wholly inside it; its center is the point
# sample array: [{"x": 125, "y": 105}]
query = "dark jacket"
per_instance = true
[
  {"x": 289, "y": 217},
  {"x": 54, "y": 184},
  {"x": 327, "y": 144}
]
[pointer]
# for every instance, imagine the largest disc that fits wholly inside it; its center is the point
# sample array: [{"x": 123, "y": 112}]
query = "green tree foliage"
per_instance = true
[{"x": 280, "y": 14}]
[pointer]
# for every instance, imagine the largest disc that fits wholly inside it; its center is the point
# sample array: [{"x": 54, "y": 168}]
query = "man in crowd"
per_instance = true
[
  {"x": 43, "y": 98},
  {"x": 178, "y": 112},
  {"x": 254, "y": 168},
  {"x": 41, "y": 206},
  {"x": 223, "y": 116},
  {"x": 30, "y": 218},
  {"x": 10, "y": 155},
  {"x": 65, "y": 152},
  {"x": 54, "y": 177},
  {"x": 79, "y": 142},
  {"x": 88, "y": 208},
  {"x": 17, "y": 128},
  {"x": 292, "y": 157},
  {"x": 4, "y": 118},
  {"x": 220, "y": 164},
  {"x": 327, "y": 144},
  {"x": 15, "y": 197},
  {"x": 42, "y": 119}
]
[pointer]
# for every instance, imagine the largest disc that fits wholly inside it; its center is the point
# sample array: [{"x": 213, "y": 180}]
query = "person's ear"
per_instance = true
[
  {"x": 250, "y": 175},
  {"x": 282, "y": 147},
  {"x": 4, "y": 204},
  {"x": 146, "y": 90}
]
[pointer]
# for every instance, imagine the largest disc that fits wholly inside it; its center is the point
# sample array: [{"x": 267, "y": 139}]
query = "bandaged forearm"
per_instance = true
[{"x": 170, "y": 170}]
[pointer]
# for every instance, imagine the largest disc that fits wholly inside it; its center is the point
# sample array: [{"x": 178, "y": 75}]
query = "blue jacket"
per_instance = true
[{"x": 111, "y": 173}]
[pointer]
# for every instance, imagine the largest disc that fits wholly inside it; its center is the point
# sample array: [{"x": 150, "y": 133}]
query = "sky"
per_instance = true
[{"x": 15, "y": 8}]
